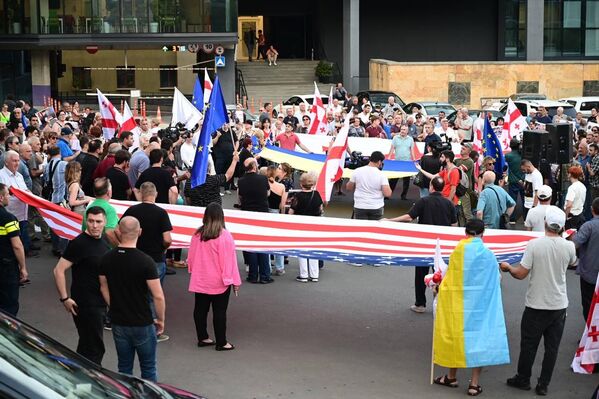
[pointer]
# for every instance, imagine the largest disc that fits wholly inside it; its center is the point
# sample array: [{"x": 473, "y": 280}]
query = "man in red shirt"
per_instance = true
[
  {"x": 449, "y": 173},
  {"x": 375, "y": 130},
  {"x": 289, "y": 139}
]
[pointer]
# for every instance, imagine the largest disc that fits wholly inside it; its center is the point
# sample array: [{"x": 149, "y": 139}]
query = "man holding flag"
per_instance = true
[{"x": 493, "y": 148}]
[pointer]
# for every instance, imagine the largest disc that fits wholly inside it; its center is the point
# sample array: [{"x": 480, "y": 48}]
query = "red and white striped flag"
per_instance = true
[
  {"x": 111, "y": 117},
  {"x": 318, "y": 114},
  {"x": 207, "y": 86},
  {"x": 587, "y": 353},
  {"x": 332, "y": 170}
]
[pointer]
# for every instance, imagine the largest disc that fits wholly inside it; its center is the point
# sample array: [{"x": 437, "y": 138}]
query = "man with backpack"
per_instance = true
[
  {"x": 53, "y": 190},
  {"x": 493, "y": 203}
]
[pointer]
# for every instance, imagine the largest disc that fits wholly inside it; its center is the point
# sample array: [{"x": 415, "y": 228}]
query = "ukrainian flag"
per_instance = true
[{"x": 470, "y": 325}]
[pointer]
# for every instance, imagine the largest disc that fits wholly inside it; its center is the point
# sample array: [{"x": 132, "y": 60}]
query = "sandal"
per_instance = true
[
  {"x": 477, "y": 390},
  {"x": 202, "y": 344},
  {"x": 446, "y": 381}
]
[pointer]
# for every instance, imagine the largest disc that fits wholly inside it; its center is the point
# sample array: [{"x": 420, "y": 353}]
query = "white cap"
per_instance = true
[
  {"x": 544, "y": 192},
  {"x": 555, "y": 217}
]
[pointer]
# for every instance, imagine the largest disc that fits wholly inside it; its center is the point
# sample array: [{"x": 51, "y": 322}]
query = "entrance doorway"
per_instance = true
[{"x": 245, "y": 25}]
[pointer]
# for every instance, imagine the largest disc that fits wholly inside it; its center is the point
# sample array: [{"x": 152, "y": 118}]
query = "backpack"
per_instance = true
[
  {"x": 48, "y": 187},
  {"x": 463, "y": 185}
]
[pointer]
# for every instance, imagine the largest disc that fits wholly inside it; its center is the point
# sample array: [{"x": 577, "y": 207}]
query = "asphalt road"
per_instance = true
[{"x": 351, "y": 335}]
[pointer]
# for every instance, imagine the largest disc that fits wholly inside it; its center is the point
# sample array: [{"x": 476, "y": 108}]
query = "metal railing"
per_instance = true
[{"x": 240, "y": 89}]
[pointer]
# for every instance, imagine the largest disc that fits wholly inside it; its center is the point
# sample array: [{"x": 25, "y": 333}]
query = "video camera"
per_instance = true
[
  {"x": 356, "y": 160},
  {"x": 172, "y": 132}
]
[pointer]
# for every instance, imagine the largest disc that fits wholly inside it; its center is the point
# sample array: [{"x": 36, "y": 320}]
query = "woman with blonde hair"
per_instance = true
[
  {"x": 74, "y": 195},
  {"x": 212, "y": 263},
  {"x": 277, "y": 198},
  {"x": 307, "y": 202}
]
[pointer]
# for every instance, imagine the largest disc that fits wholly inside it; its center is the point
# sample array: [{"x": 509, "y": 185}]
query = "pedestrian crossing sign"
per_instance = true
[{"x": 219, "y": 61}]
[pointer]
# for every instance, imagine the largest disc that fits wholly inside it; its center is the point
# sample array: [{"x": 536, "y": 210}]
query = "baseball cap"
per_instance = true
[
  {"x": 544, "y": 192},
  {"x": 65, "y": 131},
  {"x": 467, "y": 145},
  {"x": 555, "y": 217}
]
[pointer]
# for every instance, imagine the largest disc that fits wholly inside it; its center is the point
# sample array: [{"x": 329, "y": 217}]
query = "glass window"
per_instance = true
[
  {"x": 168, "y": 76},
  {"x": 591, "y": 46},
  {"x": 592, "y": 20},
  {"x": 125, "y": 78},
  {"x": 515, "y": 29},
  {"x": 572, "y": 14},
  {"x": 82, "y": 78}
]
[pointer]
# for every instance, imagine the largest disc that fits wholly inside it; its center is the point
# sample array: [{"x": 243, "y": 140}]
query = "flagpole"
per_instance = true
[{"x": 433, "y": 353}]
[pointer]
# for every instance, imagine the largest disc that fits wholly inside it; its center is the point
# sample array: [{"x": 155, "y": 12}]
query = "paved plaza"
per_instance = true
[{"x": 351, "y": 335}]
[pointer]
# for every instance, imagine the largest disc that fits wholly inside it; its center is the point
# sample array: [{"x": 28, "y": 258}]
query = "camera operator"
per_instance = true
[{"x": 224, "y": 144}]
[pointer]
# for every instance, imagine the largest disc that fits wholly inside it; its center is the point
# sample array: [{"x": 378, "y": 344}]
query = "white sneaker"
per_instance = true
[
  {"x": 275, "y": 63},
  {"x": 417, "y": 309},
  {"x": 228, "y": 192},
  {"x": 162, "y": 338},
  {"x": 270, "y": 64}
]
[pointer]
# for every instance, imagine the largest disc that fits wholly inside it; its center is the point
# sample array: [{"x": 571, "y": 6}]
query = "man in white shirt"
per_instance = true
[
  {"x": 12, "y": 178},
  {"x": 533, "y": 180},
  {"x": 446, "y": 133},
  {"x": 302, "y": 112},
  {"x": 463, "y": 123},
  {"x": 365, "y": 114},
  {"x": 535, "y": 219},
  {"x": 371, "y": 187}
]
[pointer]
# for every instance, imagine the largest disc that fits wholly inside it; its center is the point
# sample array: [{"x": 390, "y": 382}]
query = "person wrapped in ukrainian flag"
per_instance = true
[{"x": 469, "y": 330}]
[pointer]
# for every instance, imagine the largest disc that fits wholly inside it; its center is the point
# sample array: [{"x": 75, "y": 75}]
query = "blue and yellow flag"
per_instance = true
[{"x": 470, "y": 325}]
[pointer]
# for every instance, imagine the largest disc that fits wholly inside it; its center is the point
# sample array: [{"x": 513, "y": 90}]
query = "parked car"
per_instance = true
[
  {"x": 231, "y": 108},
  {"x": 474, "y": 114},
  {"x": 526, "y": 107},
  {"x": 377, "y": 97},
  {"x": 33, "y": 365},
  {"x": 583, "y": 104},
  {"x": 295, "y": 101},
  {"x": 429, "y": 108}
]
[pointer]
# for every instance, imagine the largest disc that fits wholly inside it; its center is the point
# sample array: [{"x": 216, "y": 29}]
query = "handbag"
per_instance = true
[{"x": 502, "y": 218}]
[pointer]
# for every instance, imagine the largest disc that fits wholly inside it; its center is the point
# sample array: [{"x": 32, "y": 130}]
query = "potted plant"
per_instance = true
[
  {"x": 324, "y": 71},
  {"x": 155, "y": 7}
]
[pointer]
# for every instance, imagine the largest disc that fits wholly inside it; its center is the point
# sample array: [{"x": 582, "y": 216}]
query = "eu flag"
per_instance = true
[
  {"x": 215, "y": 117},
  {"x": 493, "y": 148},
  {"x": 197, "y": 98}
]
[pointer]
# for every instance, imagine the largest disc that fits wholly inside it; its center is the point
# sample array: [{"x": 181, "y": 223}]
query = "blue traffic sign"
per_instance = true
[{"x": 219, "y": 61}]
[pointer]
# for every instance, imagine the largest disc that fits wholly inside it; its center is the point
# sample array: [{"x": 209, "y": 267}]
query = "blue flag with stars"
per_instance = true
[
  {"x": 214, "y": 118},
  {"x": 493, "y": 148},
  {"x": 197, "y": 98}
]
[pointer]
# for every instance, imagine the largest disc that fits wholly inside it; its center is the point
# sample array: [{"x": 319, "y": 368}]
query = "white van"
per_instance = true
[{"x": 583, "y": 104}]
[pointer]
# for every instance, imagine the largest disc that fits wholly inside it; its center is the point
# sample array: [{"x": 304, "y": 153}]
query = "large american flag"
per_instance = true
[{"x": 334, "y": 239}]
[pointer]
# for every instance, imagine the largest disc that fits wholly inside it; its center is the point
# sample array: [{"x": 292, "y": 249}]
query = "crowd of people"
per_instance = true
[{"x": 120, "y": 265}]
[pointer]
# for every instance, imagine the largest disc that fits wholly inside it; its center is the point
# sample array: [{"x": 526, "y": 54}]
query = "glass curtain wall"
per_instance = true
[
  {"x": 571, "y": 29},
  {"x": 515, "y": 29}
]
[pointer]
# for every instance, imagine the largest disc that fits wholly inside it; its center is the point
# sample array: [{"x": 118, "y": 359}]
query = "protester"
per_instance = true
[
  {"x": 586, "y": 240},
  {"x": 10, "y": 176},
  {"x": 156, "y": 230},
  {"x": 213, "y": 267},
  {"x": 469, "y": 330},
  {"x": 209, "y": 191},
  {"x": 162, "y": 179},
  {"x": 117, "y": 175},
  {"x": 546, "y": 260},
  {"x": 493, "y": 203},
  {"x": 103, "y": 193},
  {"x": 402, "y": 146},
  {"x": 224, "y": 144},
  {"x": 127, "y": 278},
  {"x": 463, "y": 124},
  {"x": 253, "y": 192},
  {"x": 593, "y": 169},
  {"x": 535, "y": 219},
  {"x": 466, "y": 166},
  {"x": 74, "y": 195},
  {"x": 25, "y": 153},
  {"x": 449, "y": 173},
  {"x": 85, "y": 303},
  {"x": 371, "y": 187},
  {"x": 289, "y": 139},
  {"x": 140, "y": 161},
  {"x": 531, "y": 183},
  {"x": 515, "y": 175},
  {"x": 13, "y": 269},
  {"x": 64, "y": 143},
  {"x": 575, "y": 198},
  {"x": 89, "y": 162},
  {"x": 55, "y": 187},
  {"x": 432, "y": 209},
  {"x": 307, "y": 202},
  {"x": 277, "y": 198},
  {"x": 107, "y": 162}
]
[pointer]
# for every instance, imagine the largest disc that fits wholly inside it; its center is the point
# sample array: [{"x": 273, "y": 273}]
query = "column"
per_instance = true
[
  {"x": 40, "y": 77},
  {"x": 226, "y": 76},
  {"x": 351, "y": 45},
  {"x": 535, "y": 10}
]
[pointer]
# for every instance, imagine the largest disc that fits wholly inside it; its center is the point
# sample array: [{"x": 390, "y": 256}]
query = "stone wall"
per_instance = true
[{"x": 465, "y": 83}]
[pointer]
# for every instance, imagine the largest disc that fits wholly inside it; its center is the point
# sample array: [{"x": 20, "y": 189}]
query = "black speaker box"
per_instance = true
[
  {"x": 534, "y": 146},
  {"x": 559, "y": 145}
]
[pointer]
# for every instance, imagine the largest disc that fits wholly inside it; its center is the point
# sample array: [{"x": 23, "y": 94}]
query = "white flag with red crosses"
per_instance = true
[{"x": 587, "y": 353}]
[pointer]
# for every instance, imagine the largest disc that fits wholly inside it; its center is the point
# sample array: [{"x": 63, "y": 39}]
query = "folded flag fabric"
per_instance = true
[
  {"x": 335, "y": 239},
  {"x": 314, "y": 162},
  {"x": 470, "y": 326},
  {"x": 587, "y": 353}
]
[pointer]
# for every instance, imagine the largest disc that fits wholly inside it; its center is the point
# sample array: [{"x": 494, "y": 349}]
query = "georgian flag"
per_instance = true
[
  {"x": 130, "y": 126},
  {"x": 207, "y": 86},
  {"x": 332, "y": 170},
  {"x": 587, "y": 353},
  {"x": 318, "y": 124},
  {"x": 111, "y": 117},
  {"x": 513, "y": 125}
]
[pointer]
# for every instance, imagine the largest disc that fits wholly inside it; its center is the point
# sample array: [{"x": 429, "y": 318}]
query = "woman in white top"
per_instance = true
[
  {"x": 74, "y": 196},
  {"x": 277, "y": 199},
  {"x": 575, "y": 198},
  {"x": 188, "y": 152}
]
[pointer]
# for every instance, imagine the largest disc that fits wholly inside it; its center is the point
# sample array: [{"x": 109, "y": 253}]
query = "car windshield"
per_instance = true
[
  {"x": 570, "y": 111},
  {"x": 382, "y": 99},
  {"x": 310, "y": 100},
  {"x": 434, "y": 109},
  {"x": 44, "y": 366}
]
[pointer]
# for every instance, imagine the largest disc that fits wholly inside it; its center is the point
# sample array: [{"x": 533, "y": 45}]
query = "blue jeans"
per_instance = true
[
  {"x": 161, "y": 268},
  {"x": 259, "y": 266},
  {"x": 128, "y": 341},
  {"x": 24, "y": 233},
  {"x": 423, "y": 192},
  {"x": 513, "y": 190}
]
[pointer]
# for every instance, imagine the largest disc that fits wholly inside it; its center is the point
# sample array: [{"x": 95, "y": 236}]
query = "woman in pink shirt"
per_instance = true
[{"x": 213, "y": 266}]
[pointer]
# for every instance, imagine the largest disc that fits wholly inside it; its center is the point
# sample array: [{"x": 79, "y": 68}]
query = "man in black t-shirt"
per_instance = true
[
  {"x": 121, "y": 189},
  {"x": 162, "y": 179},
  {"x": 127, "y": 278},
  {"x": 253, "y": 196},
  {"x": 89, "y": 162},
  {"x": 209, "y": 192},
  {"x": 85, "y": 303},
  {"x": 436, "y": 210},
  {"x": 12, "y": 257},
  {"x": 224, "y": 143}
]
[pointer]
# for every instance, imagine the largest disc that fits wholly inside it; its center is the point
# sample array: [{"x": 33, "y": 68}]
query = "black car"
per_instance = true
[
  {"x": 377, "y": 97},
  {"x": 33, "y": 365}
]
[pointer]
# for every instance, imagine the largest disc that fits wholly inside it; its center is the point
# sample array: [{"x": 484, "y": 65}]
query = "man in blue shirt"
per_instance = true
[
  {"x": 66, "y": 153},
  {"x": 586, "y": 240},
  {"x": 493, "y": 203}
]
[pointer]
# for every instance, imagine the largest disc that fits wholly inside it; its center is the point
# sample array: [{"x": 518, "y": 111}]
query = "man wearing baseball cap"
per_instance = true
[
  {"x": 535, "y": 219},
  {"x": 66, "y": 153},
  {"x": 546, "y": 260}
]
